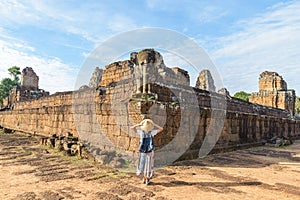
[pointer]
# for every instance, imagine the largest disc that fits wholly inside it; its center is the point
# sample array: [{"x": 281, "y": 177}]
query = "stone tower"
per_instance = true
[
  {"x": 273, "y": 92},
  {"x": 205, "y": 81},
  {"x": 28, "y": 90},
  {"x": 96, "y": 78},
  {"x": 29, "y": 79},
  {"x": 144, "y": 69},
  {"x": 271, "y": 81}
]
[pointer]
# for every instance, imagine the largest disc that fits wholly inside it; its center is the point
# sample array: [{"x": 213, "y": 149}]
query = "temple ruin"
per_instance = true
[
  {"x": 144, "y": 86},
  {"x": 273, "y": 92},
  {"x": 28, "y": 89}
]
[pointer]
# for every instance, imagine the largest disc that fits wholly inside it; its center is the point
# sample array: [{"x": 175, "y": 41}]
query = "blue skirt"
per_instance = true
[{"x": 145, "y": 164}]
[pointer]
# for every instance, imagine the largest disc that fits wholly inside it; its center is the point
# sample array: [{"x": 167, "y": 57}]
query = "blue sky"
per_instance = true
[{"x": 243, "y": 38}]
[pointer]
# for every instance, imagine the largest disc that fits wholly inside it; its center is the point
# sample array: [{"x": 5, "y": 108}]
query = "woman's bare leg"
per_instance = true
[{"x": 144, "y": 178}]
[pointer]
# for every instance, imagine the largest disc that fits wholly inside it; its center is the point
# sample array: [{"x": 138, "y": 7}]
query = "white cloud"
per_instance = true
[
  {"x": 120, "y": 23},
  {"x": 200, "y": 11},
  {"x": 270, "y": 41},
  {"x": 208, "y": 14},
  {"x": 14, "y": 12},
  {"x": 93, "y": 21},
  {"x": 54, "y": 75}
]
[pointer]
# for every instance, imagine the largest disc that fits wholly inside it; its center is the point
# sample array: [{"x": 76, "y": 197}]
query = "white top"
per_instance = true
[{"x": 153, "y": 132}]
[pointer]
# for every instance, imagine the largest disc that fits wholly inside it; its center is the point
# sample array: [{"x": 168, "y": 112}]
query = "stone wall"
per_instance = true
[
  {"x": 45, "y": 116},
  {"x": 116, "y": 72},
  {"x": 98, "y": 115}
]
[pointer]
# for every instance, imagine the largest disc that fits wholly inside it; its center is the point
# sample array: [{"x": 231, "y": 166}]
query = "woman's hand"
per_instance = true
[{"x": 158, "y": 127}]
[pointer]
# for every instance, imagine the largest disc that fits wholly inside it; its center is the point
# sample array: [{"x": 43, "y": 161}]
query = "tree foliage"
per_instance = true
[
  {"x": 242, "y": 95},
  {"x": 7, "y": 83},
  {"x": 15, "y": 73}
]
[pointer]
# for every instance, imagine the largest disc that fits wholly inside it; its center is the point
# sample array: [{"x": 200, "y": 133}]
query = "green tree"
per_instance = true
[
  {"x": 7, "y": 83},
  {"x": 15, "y": 72},
  {"x": 242, "y": 95}
]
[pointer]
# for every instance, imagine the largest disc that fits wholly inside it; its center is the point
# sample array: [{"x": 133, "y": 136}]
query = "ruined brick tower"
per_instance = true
[
  {"x": 273, "y": 92},
  {"x": 205, "y": 81},
  {"x": 28, "y": 90},
  {"x": 29, "y": 79}
]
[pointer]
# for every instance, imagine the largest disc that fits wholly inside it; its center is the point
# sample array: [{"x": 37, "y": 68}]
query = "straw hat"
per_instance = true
[{"x": 147, "y": 125}]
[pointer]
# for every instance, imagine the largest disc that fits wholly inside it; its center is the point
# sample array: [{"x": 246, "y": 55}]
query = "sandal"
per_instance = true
[{"x": 147, "y": 181}]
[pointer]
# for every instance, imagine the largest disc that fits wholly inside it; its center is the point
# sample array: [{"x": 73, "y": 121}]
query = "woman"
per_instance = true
[{"x": 146, "y": 150}]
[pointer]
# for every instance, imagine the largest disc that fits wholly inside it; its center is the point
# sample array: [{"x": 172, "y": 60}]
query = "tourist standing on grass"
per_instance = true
[{"x": 146, "y": 130}]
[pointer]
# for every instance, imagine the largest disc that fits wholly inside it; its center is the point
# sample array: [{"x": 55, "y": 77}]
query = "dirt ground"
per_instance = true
[{"x": 30, "y": 171}]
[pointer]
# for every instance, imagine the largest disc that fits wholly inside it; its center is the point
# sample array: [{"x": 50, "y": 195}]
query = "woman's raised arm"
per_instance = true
[
  {"x": 159, "y": 127},
  {"x": 135, "y": 126}
]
